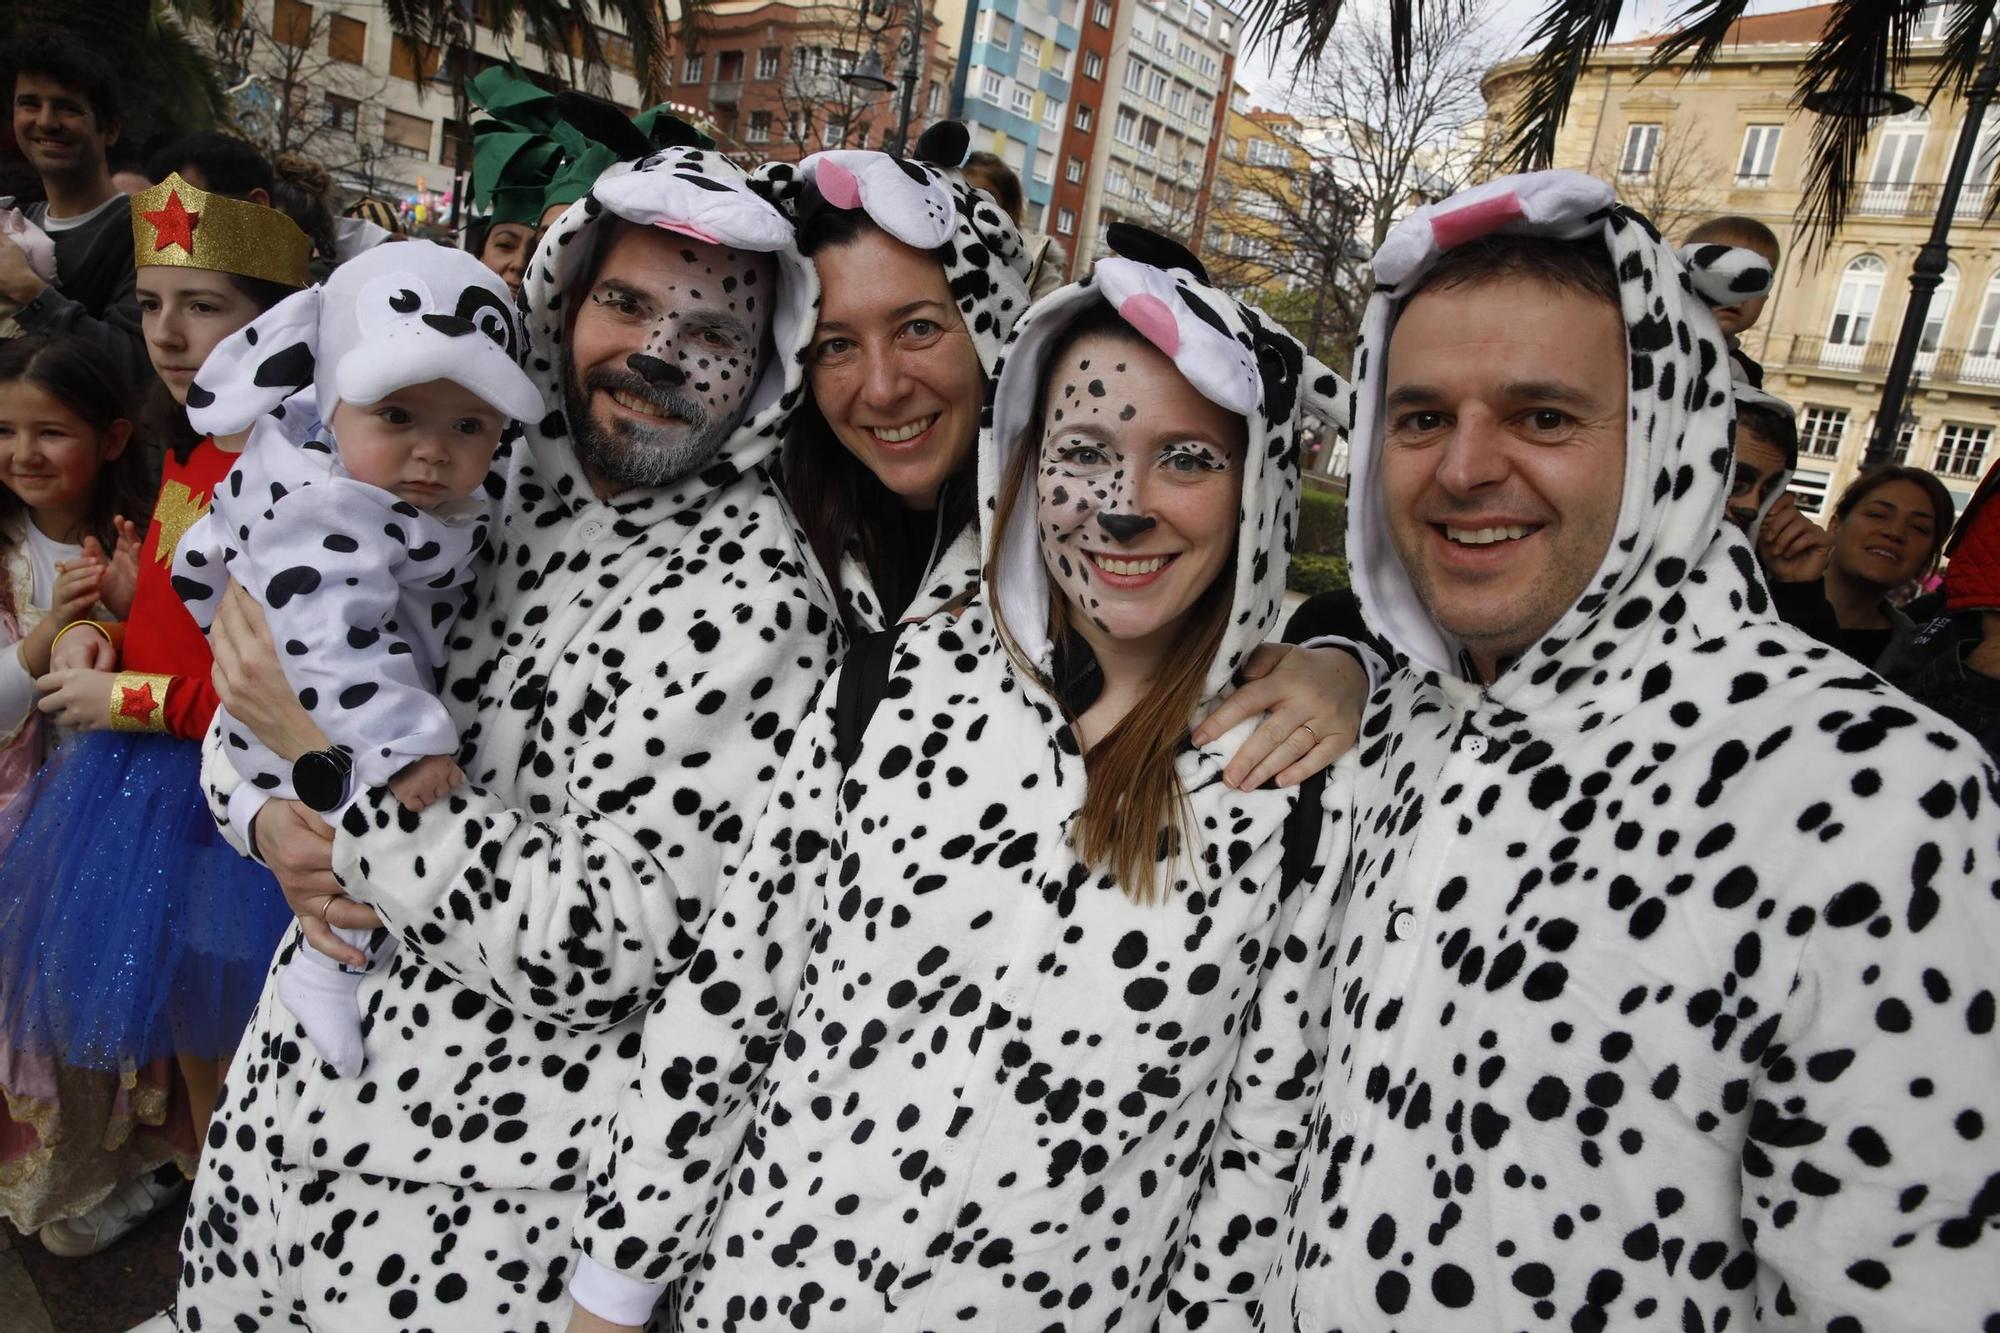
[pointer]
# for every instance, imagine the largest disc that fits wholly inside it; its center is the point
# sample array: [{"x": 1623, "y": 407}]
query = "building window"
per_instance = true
[
  {"x": 1149, "y": 135},
  {"x": 1177, "y": 99},
  {"x": 1031, "y": 50},
  {"x": 1808, "y": 489},
  {"x": 1983, "y": 357},
  {"x": 1961, "y": 450},
  {"x": 406, "y": 136},
  {"x": 1935, "y": 317},
  {"x": 1135, "y": 76},
  {"x": 347, "y": 40},
  {"x": 1760, "y": 154},
  {"x": 1156, "y": 86},
  {"x": 768, "y": 60},
  {"x": 1204, "y": 109},
  {"x": 1906, "y": 435},
  {"x": 991, "y": 85},
  {"x": 1045, "y": 165},
  {"x": 1073, "y": 171},
  {"x": 1186, "y": 54},
  {"x": 1065, "y": 222},
  {"x": 1642, "y": 145},
  {"x": 832, "y": 133},
  {"x": 1093, "y": 65},
  {"x": 1896, "y": 156},
  {"x": 1118, "y": 183},
  {"x": 1023, "y": 100},
  {"x": 760, "y": 128},
  {"x": 1083, "y": 117},
  {"x": 1821, "y": 430},
  {"x": 291, "y": 23},
  {"x": 1854, "y": 312},
  {"x": 416, "y": 64},
  {"x": 691, "y": 67},
  {"x": 342, "y": 114},
  {"x": 1126, "y": 128},
  {"x": 729, "y": 67},
  {"x": 1100, "y": 13},
  {"x": 1163, "y": 42},
  {"x": 995, "y": 29},
  {"x": 1051, "y": 113}
]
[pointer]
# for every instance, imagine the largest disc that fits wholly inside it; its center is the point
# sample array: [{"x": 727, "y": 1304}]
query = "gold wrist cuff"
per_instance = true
[
  {"x": 101, "y": 628},
  {"x": 139, "y": 701}
]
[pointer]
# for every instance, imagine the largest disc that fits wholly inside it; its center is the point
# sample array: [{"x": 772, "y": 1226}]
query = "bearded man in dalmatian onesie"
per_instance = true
[
  {"x": 644, "y": 632},
  {"x": 1666, "y": 992}
]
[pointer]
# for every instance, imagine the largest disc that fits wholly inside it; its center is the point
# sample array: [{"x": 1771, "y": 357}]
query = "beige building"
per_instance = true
[
  {"x": 1727, "y": 141},
  {"x": 1262, "y": 162}
]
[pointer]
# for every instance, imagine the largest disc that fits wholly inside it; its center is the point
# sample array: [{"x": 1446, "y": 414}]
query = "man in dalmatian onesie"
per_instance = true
[
  {"x": 645, "y": 631},
  {"x": 1666, "y": 989}
]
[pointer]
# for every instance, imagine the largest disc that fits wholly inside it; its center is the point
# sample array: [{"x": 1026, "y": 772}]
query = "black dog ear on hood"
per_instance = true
[
  {"x": 604, "y": 123},
  {"x": 1150, "y": 247},
  {"x": 945, "y": 144}
]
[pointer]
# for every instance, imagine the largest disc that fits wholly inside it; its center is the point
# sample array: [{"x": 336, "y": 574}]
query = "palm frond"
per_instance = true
[
  {"x": 1863, "y": 49},
  {"x": 1964, "y": 43},
  {"x": 1699, "y": 34},
  {"x": 1569, "y": 32},
  {"x": 1306, "y": 23}
]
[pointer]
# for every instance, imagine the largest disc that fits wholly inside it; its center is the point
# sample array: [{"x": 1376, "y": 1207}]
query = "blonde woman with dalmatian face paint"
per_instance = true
[
  {"x": 922, "y": 278},
  {"x": 1008, "y": 1019}
]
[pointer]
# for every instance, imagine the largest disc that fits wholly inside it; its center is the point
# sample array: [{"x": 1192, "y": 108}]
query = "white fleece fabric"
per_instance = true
[
  {"x": 937, "y": 1071},
  {"x": 626, "y": 683},
  {"x": 1666, "y": 976}
]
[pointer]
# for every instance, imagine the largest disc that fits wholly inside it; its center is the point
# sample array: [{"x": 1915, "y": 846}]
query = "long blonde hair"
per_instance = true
[{"x": 1135, "y": 814}]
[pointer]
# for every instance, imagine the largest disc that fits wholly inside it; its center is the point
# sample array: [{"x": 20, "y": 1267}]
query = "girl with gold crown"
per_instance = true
[{"x": 133, "y": 939}]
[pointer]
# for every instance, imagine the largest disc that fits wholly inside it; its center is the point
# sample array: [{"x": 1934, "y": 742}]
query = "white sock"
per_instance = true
[{"x": 326, "y": 1001}]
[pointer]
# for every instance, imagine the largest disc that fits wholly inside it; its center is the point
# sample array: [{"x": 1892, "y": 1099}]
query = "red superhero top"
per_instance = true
[
  {"x": 1972, "y": 580},
  {"x": 161, "y": 637}
]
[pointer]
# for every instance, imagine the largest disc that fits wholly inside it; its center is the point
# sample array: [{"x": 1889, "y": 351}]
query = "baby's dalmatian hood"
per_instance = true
[
  {"x": 391, "y": 317},
  {"x": 926, "y": 204},
  {"x": 1236, "y": 357},
  {"x": 693, "y": 192},
  {"x": 1679, "y": 460}
]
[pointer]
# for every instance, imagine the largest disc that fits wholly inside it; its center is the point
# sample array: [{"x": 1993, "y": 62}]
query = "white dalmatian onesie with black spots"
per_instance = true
[
  {"x": 1666, "y": 988},
  {"x": 936, "y": 1072},
  {"x": 925, "y": 203},
  {"x": 360, "y": 588},
  {"x": 626, "y": 683}
]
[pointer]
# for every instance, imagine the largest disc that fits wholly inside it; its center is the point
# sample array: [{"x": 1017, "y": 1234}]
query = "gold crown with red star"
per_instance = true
[{"x": 183, "y": 227}]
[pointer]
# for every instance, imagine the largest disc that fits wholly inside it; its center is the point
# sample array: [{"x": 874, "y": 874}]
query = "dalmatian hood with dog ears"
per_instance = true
[
  {"x": 1671, "y": 542},
  {"x": 389, "y": 318},
  {"x": 1235, "y": 357},
  {"x": 692, "y": 192}
]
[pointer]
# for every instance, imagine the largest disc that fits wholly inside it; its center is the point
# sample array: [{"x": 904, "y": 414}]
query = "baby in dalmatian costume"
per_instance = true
[{"x": 378, "y": 400}]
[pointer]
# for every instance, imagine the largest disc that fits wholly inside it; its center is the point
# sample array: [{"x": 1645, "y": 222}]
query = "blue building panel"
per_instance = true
[
  {"x": 1055, "y": 85},
  {"x": 1067, "y": 37}
]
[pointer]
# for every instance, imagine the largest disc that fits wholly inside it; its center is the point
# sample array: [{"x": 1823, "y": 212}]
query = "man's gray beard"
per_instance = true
[{"x": 628, "y": 455}]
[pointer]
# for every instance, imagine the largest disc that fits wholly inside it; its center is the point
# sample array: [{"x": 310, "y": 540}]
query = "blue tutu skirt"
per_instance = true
[{"x": 129, "y": 930}]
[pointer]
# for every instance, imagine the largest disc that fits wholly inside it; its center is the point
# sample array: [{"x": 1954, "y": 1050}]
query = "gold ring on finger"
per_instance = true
[
  {"x": 1307, "y": 728},
  {"x": 325, "y": 906}
]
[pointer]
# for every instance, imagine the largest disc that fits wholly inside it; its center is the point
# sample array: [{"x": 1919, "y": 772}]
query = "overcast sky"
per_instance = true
[{"x": 1512, "y": 21}]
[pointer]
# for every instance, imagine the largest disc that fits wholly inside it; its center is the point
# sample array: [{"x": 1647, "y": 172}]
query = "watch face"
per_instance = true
[{"x": 317, "y": 779}]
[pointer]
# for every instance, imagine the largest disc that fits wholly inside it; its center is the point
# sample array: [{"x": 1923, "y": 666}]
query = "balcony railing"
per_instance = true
[
  {"x": 725, "y": 90},
  {"x": 1955, "y": 365},
  {"x": 1920, "y": 199}
]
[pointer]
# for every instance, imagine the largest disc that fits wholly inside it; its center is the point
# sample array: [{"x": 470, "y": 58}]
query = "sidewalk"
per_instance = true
[{"x": 106, "y": 1293}]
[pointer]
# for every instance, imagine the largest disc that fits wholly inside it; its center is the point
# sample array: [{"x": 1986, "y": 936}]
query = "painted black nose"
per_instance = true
[
  {"x": 655, "y": 371},
  {"x": 1124, "y": 527}
]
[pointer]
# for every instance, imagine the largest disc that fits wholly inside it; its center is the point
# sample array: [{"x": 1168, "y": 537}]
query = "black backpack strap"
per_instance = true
[
  {"x": 1302, "y": 830},
  {"x": 864, "y": 682}
]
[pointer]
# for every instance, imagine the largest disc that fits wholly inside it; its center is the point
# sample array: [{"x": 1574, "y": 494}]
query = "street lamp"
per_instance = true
[
  {"x": 869, "y": 75},
  {"x": 1928, "y": 271}
]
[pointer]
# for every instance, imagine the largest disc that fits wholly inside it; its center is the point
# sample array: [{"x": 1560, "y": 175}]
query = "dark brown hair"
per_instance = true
[
  {"x": 163, "y": 421},
  {"x": 1942, "y": 505},
  {"x": 76, "y": 374},
  {"x": 992, "y": 169},
  {"x": 1135, "y": 814},
  {"x": 1581, "y": 265}
]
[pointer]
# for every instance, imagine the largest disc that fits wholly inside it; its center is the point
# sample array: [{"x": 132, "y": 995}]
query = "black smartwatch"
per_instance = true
[{"x": 320, "y": 778}]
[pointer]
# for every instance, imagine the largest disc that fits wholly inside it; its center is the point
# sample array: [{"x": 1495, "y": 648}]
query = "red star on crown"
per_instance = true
[
  {"x": 173, "y": 225},
  {"x": 137, "y": 703}
]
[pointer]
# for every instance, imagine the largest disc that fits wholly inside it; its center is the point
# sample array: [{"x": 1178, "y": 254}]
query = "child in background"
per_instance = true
[
  {"x": 134, "y": 940},
  {"x": 352, "y": 520},
  {"x": 68, "y": 476},
  {"x": 1736, "y": 320}
]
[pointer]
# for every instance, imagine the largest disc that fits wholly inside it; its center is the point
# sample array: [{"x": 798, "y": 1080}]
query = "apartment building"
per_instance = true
[
  {"x": 1019, "y": 71},
  {"x": 1263, "y": 162},
  {"x": 1157, "y": 73},
  {"x": 1728, "y": 141}
]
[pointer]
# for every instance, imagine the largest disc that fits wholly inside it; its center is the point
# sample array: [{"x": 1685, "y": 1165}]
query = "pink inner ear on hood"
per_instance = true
[
  {"x": 1152, "y": 317},
  {"x": 689, "y": 230},
  {"x": 1475, "y": 220},
  {"x": 837, "y": 185}
]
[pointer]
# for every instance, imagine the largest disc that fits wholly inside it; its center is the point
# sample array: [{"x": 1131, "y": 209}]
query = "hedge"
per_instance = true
[
  {"x": 1322, "y": 524},
  {"x": 1315, "y": 574}
]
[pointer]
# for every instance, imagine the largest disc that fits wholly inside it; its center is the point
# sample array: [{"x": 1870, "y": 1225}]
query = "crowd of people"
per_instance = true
[{"x": 731, "y": 755}]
